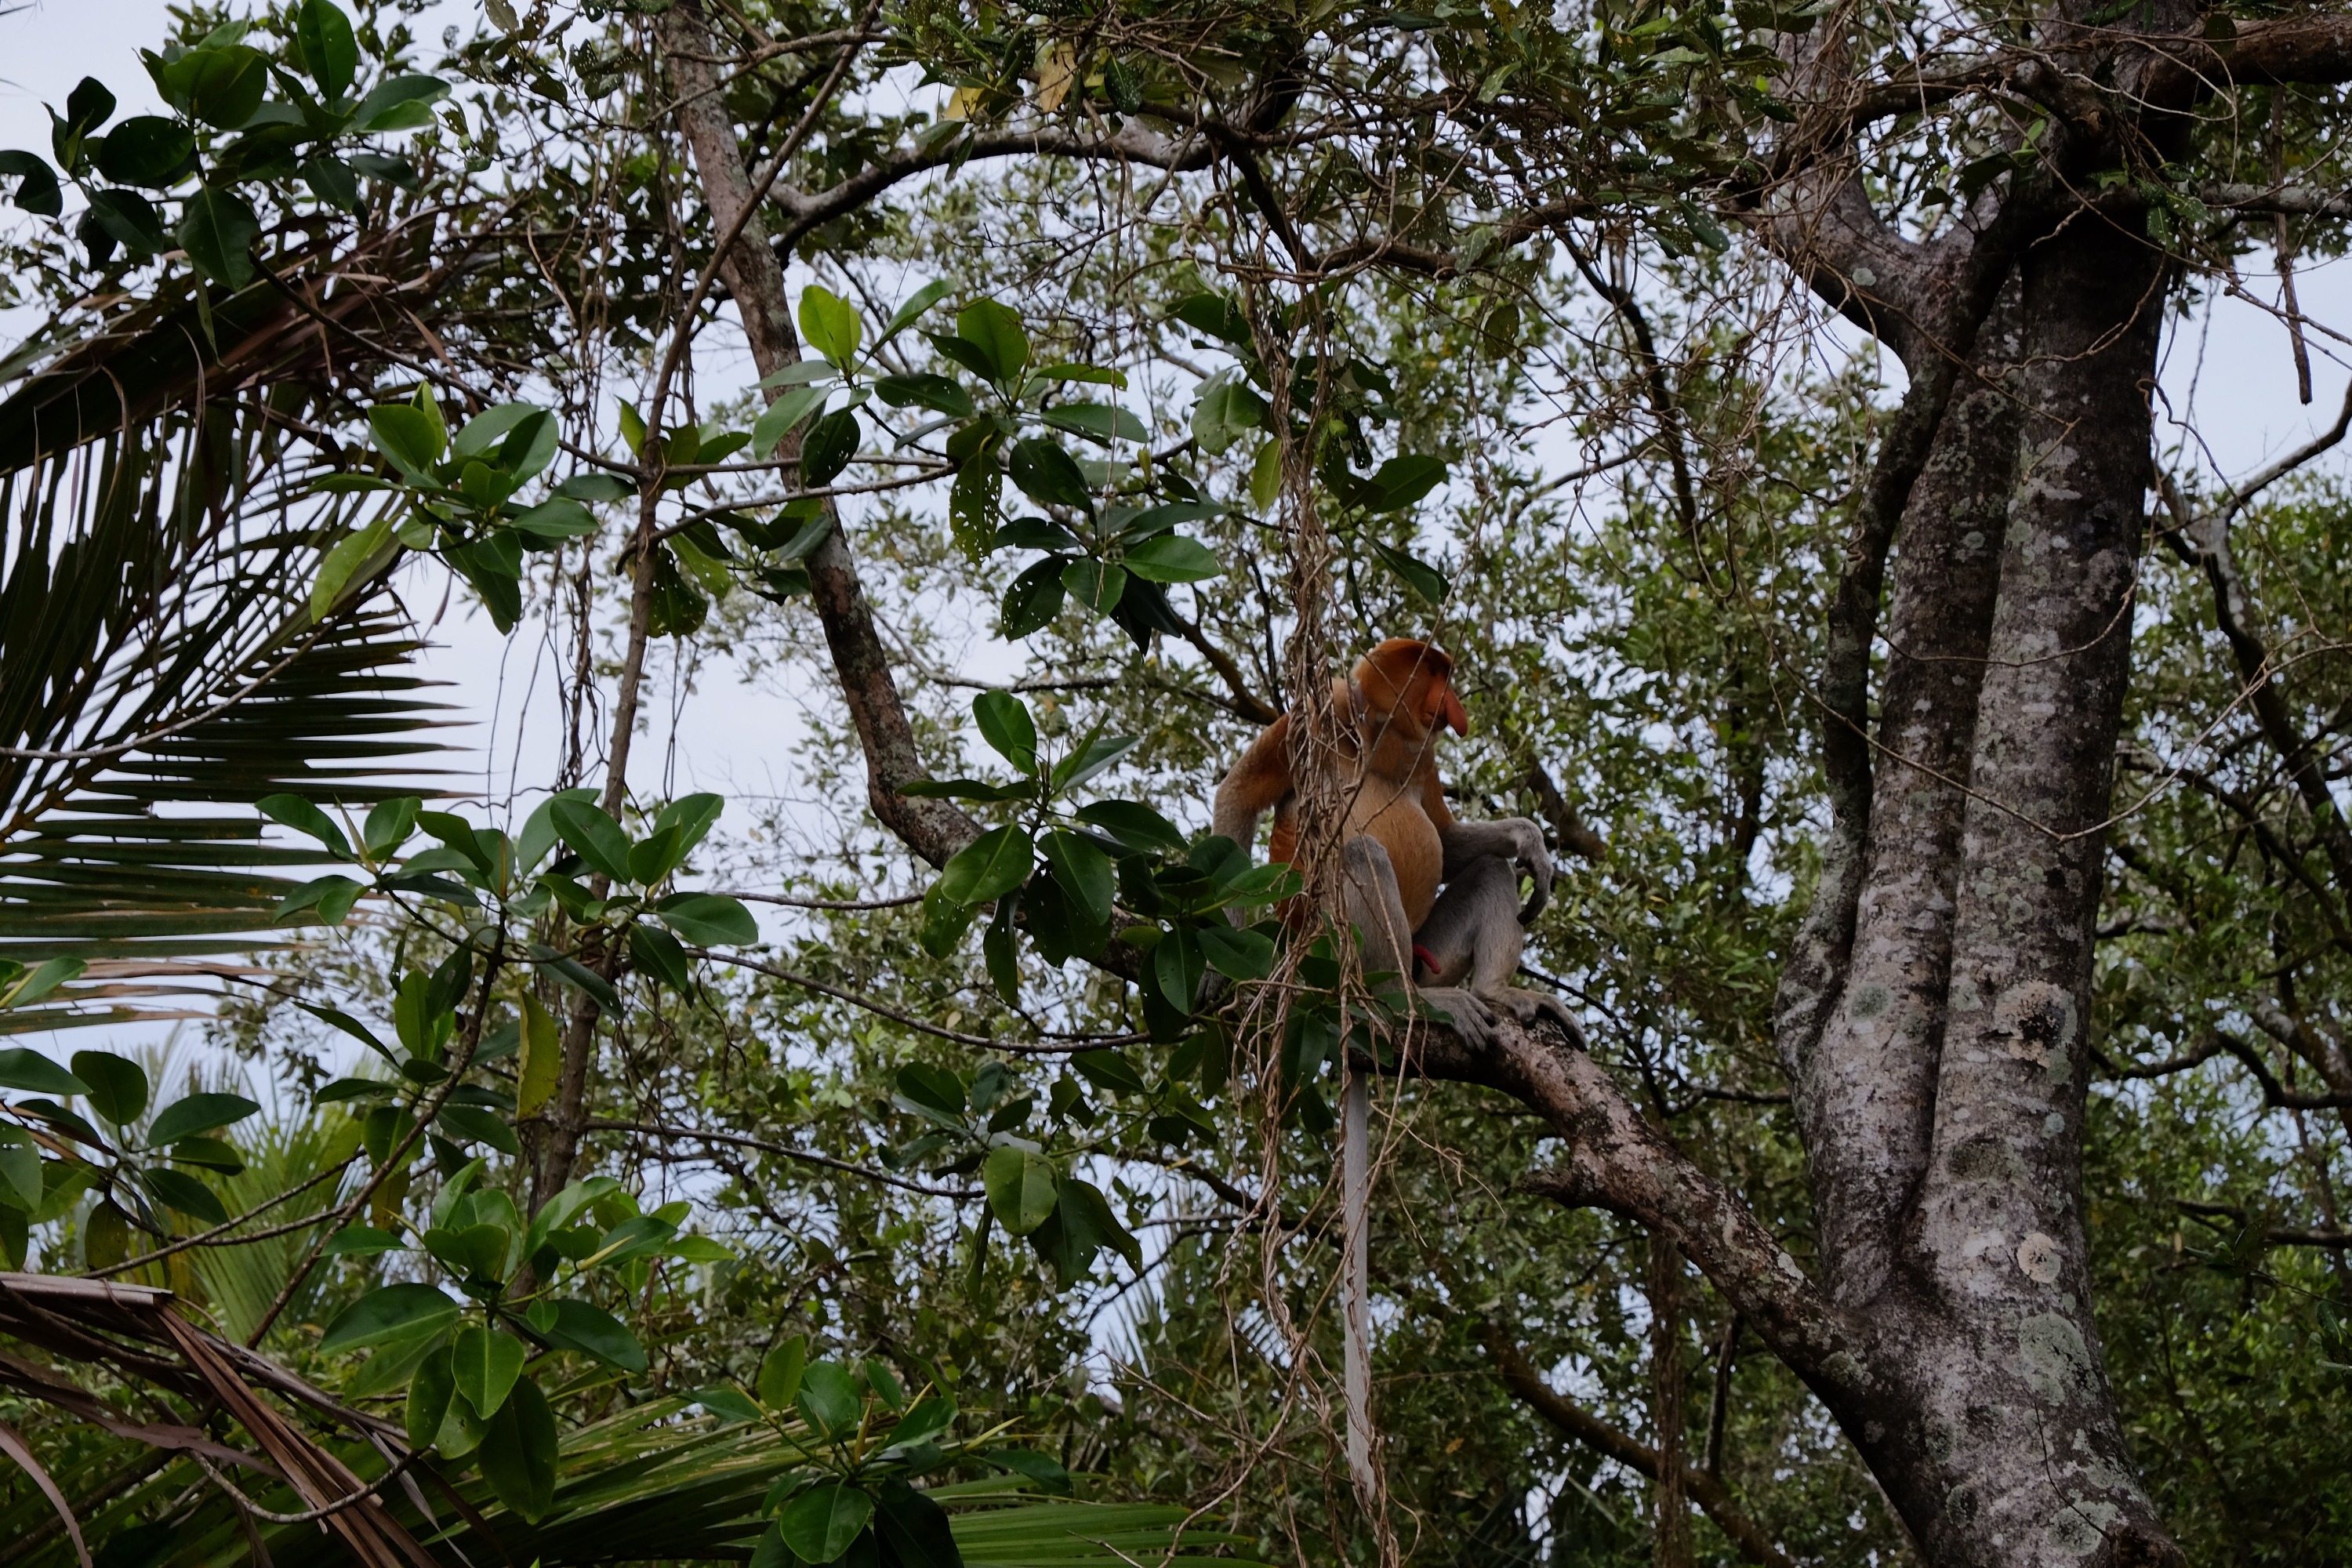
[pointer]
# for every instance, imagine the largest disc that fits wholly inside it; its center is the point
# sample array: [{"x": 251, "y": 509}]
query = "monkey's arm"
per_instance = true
[
  {"x": 1257, "y": 782},
  {"x": 1515, "y": 839}
]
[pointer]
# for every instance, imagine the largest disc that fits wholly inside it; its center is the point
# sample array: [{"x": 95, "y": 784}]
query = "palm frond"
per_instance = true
[{"x": 159, "y": 659}]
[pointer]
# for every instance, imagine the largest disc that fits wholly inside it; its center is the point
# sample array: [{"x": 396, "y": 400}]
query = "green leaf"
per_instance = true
[
  {"x": 361, "y": 1241},
  {"x": 542, "y": 1058},
  {"x": 1417, "y": 575},
  {"x": 399, "y": 103},
  {"x": 20, "y": 1170},
  {"x": 197, "y": 1113},
  {"x": 941, "y": 394},
  {"x": 474, "y": 1124},
  {"x": 831, "y": 442},
  {"x": 726, "y": 1404},
  {"x": 26, "y": 1070},
  {"x": 37, "y": 191},
  {"x": 148, "y": 150},
  {"x": 1100, "y": 375},
  {"x": 1084, "y": 871},
  {"x": 1177, "y": 964},
  {"x": 394, "y": 1312},
  {"x": 519, "y": 1452},
  {"x": 829, "y": 1400},
  {"x": 581, "y": 1327},
  {"x": 388, "y": 824},
  {"x": 304, "y": 817},
  {"x": 917, "y": 304},
  {"x": 1094, "y": 584},
  {"x": 117, "y": 1086},
  {"x": 484, "y": 1364},
  {"x": 1136, "y": 825},
  {"x": 1047, "y": 474},
  {"x": 1020, "y": 1187},
  {"x": 1403, "y": 481},
  {"x": 430, "y": 1392},
  {"x": 829, "y": 324},
  {"x": 1097, "y": 756},
  {"x": 780, "y": 1373},
  {"x": 217, "y": 230},
  {"x": 1101, "y": 421},
  {"x": 1172, "y": 558},
  {"x": 1225, "y": 410},
  {"x": 179, "y": 1191},
  {"x": 820, "y": 1523},
  {"x": 1217, "y": 315},
  {"x": 990, "y": 867},
  {"x": 913, "y": 1527},
  {"x": 1241, "y": 955},
  {"x": 995, "y": 331},
  {"x": 329, "y": 52},
  {"x": 346, "y": 560},
  {"x": 781, "y": 416},
  {"x": 220, "y": 85},
  {"x": 708, "y": 920},
  {"x": 594, "y": 836},
  {"x": 410, "y": 437},
  {"x": 1006, "y": 726},
  {"x": 658, "y": 954},
  {"x": 1034, "y": 598}
]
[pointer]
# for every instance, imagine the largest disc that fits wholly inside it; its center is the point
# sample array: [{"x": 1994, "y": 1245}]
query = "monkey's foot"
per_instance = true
[
  {"x": 1472, "y": 1015},
  {"x": 1526, "y": 1007}
]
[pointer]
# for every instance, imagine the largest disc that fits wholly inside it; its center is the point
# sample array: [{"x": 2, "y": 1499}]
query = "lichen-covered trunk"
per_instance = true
[{"x": 1942, "y": 1103}]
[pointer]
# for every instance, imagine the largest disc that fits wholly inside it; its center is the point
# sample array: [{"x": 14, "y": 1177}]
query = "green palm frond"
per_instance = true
[
  {"x": 657, "y": 1483},
  {"x": 159, "y": 659}
]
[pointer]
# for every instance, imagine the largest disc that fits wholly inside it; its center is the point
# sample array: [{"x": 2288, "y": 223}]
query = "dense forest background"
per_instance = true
[{"x": 573, "y": 1126}]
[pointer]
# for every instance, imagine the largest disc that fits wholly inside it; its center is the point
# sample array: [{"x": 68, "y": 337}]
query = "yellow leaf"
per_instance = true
[
  {"x": 962, "y": 101},
  {"x": 541, "y": 1055},
  {"x": 1057, "y": 70}
]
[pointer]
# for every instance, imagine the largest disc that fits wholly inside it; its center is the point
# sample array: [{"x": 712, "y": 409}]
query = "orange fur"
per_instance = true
[{"x": 1390, "y": 710}]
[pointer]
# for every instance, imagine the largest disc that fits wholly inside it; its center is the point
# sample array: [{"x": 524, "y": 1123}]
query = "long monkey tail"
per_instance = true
[{"x": 1355, "y": 1271}]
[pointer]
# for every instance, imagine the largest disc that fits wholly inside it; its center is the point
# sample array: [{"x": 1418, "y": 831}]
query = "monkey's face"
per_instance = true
[{"x": 1409, "y": 681}]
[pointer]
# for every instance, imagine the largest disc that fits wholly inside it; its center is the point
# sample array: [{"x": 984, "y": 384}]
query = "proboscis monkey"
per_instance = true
[{"x": 1437, "y": 901}]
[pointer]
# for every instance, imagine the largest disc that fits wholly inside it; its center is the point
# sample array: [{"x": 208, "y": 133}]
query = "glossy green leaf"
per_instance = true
[
  {"x": 708, "y": 920},
  {"x": 581, "y": 1327},
  {"x": 594, "y": 836},
  {"x": 217, "y": 229},
  {"x": 399, "y": 103},
  {"x": 1172, "y": 558},
  {"x": 1020, "y": 1187},
  {"x": 781, "y": 1370},
  {"x": 1132, "y": 824},
  {"x": 430, "y": 1390},
  {"x": 117, "y": 1086},
  {"x": 820, "y": 1523},
  {"x": 825, "y": 451},
  {"x": 393, "y": 1312},
  {"x": 829, "y": 1399},
  {"x": 915, "y": 305},
  {"x": 519, "y": 1452},
  {"x": 197, "y": 1113},
  {"x": 1101, "y": 421},
  {"x": 1005, "y": 724},
  {"x": 1049, "y": 475},
  {"x": 829, "y": 324},
  {"x": 330, "y": 51},
  {"x": 990, "y": 867},
  {"x": 28, "y": 1070},
  {"x": 476, "y": 1124},
  {"x": 181, "y": 1191},
  {"x": 995, "y": 331},
  {"x": 485, "y": 1364},
  {"x": 913, "y": 1527},
  {"x": 147, "y": 150}
]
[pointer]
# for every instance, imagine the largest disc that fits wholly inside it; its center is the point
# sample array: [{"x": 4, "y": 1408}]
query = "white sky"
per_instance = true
[{"x": 2232, "y": 368}]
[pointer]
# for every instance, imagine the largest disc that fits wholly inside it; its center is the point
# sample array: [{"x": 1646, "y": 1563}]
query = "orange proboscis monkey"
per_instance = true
[
  {"x": 1434, "y": 899},
  {"x": 1437, "y": 899}
]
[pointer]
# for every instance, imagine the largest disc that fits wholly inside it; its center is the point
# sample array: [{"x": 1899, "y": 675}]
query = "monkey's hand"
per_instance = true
[{"x": 1516, "y": 836}]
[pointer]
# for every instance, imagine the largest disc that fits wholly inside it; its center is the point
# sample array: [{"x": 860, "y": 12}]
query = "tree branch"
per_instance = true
[{"x": 1707, "y": 1491}]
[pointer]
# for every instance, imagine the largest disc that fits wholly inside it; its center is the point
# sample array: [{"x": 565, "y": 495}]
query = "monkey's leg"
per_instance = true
[
  {"x": 1377, "y": 910},
  {"x": 1356, "y": 1281},
  {"x": 1474, "y": 934}
]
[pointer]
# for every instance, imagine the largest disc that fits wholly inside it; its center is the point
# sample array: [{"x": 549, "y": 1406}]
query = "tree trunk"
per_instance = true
[{"x": 1942, "y": 1105}]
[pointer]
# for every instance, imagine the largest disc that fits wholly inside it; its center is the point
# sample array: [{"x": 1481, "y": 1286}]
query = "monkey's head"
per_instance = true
[{"x": 1414, "y": 680}]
